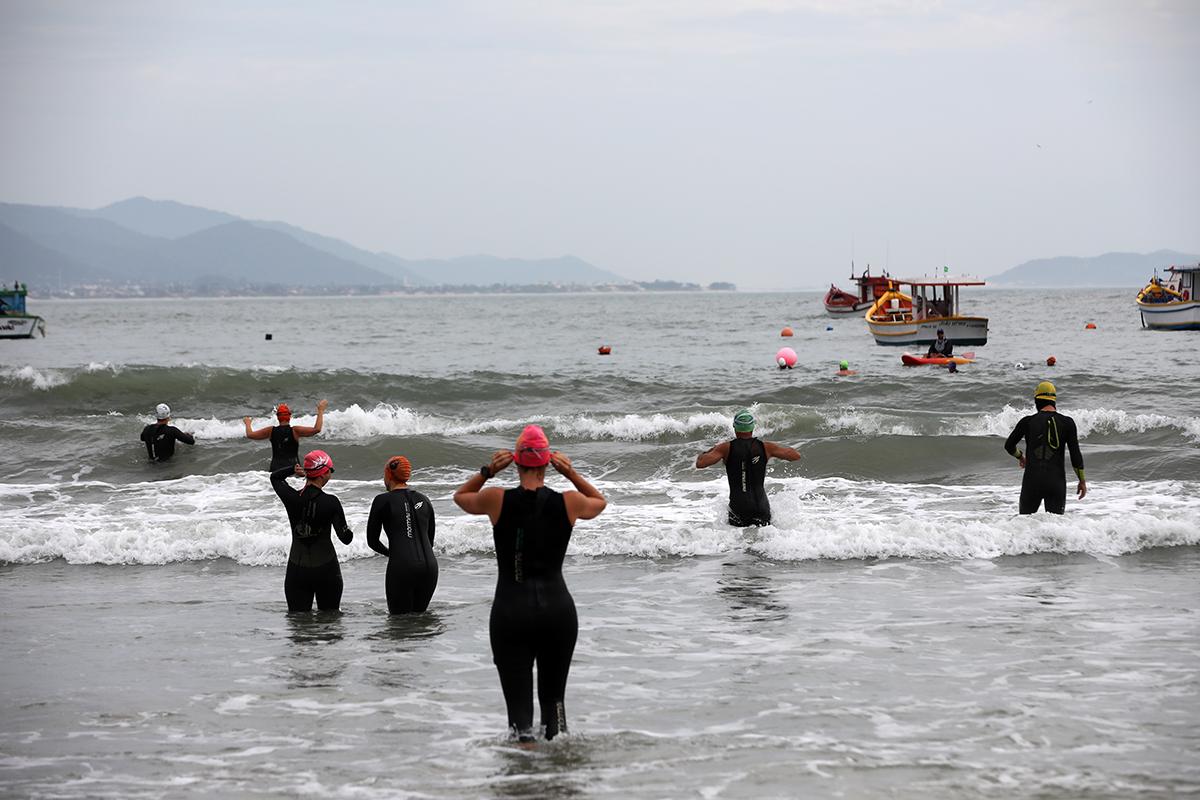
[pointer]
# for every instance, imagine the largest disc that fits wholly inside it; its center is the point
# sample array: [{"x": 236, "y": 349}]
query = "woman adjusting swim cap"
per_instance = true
[
  {"x": 533, "y": 448},
  {"x": 282, "y": 412},
  {"x": 317, "y": 463}
]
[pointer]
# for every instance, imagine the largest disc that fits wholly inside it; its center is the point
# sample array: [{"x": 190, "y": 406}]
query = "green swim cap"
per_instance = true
[
  {"x": 844, "y": 364},
  {"x": 743, "y": 421}
]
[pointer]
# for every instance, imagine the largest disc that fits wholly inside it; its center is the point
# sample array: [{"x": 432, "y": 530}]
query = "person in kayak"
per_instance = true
[
  {"x": 406, "y": 516},
  {"x": 941, "y": 346},
  {"x": 1046, "y": 433},
  {"x": 745, "y": 460},
  {"x": 312, "y": 569},
  {"x": 285, "y": 438},
  {"x": 533, "y": 619},
  {"x": 160, "y": 437}
]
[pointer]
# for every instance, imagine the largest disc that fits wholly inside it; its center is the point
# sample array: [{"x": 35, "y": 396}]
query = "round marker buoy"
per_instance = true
[
  {"x": 1051, "y": 361},
  {"x": 785, "y": 358},
  {"x": 786, "y": 331},
  {"x": 1091, "y": 326},
  {"x": 604, "y": 350}
]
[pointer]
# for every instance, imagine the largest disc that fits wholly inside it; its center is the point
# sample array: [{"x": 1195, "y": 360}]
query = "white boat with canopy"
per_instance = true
[{"x": 900, "y": 318}]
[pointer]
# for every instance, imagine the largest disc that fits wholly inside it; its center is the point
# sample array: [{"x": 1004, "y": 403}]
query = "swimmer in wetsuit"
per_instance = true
[
  {"x": 1046, "y": 433},
  {"x": 160, "y": 437},
  {"x": 745, "y": 460},
  {"x": 312, "y": 569},
  {"x": 533, "y": 618},
  {"x": 285, "y": 438},
  {"x": 406, "y": 516}
]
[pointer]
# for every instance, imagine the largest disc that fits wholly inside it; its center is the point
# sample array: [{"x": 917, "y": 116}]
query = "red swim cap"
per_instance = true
[
  {"x": 317, "y": 463},
  {"x": 282, "y": 412},
  {"x": 533, "y": 448},
  {"x": 398, "y": 469}
]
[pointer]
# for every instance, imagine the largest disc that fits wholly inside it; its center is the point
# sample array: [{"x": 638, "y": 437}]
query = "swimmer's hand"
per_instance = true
[
  {"x": 1021, "y": 461},
  {"x": 561, "y": 463},
  {"x": 1081, "y": 489},
  {"x": 298, "y": 471},
  {"x": 321, "y": 406},
  {"x": 500, "y": 460}
]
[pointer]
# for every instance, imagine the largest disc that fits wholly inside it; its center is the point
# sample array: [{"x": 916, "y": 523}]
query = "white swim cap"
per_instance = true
[{"x": 163, "y": 410}]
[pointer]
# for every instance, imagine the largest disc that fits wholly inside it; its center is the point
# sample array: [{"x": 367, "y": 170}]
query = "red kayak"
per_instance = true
[{"x": 910, "y": 360}]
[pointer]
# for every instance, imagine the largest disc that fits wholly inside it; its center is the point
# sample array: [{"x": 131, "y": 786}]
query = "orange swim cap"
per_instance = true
[
  {"x": 397, "y": 469},
  {"x": 282, "y": 412}
]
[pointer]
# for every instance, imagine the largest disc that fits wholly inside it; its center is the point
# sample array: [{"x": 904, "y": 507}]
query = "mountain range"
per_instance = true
[
  {"x": 160, "y": 243},
  {"x": 1109, "y": 269}
]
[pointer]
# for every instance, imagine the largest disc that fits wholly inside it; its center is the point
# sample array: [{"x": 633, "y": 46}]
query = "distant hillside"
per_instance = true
[
  {"x": 25, "y": 258},
  {"x": 482, "y": 270},
  {"x": 1109, "y": 269},
  {"x": 162, "y": 218},
  {"x": 242, "y": 252},
  {"x": 377, "y": 261},
  {"x": 158, "y": 243}
]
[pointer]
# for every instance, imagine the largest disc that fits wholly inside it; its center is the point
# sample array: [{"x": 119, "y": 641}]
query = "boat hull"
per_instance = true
[
  {"x": 21, "y": 327},
  {"x": 842, "y": 310},
  {"x": 1180, "y": 316},
  {"x": 959, "y": 330}
]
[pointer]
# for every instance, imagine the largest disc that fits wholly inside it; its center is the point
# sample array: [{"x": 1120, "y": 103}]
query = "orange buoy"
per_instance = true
[
  {"x": 605, "y": 350},
  {"x": 1051, "y": 361},
  {"x": 1091, "y": 326},
  {"x": 786, "y": 331}
]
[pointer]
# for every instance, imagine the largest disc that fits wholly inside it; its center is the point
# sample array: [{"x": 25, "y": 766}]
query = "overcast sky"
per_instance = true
[{"x": 760, "y": 141}]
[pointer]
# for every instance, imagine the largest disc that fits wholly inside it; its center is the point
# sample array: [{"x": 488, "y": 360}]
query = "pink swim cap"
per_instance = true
[
  {"x": 533, "y": 448},
  {"x": 317, "y": 463}
]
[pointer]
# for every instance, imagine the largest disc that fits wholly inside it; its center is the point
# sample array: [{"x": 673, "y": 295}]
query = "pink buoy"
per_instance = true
[{"x": 785, "y": 358}]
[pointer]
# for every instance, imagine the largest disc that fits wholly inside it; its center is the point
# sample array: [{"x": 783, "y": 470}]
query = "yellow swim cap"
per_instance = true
[{"x": 1044, "y": 391}]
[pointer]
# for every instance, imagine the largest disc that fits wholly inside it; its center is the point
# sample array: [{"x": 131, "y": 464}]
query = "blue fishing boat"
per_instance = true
[{"x": 15, "y": 321}]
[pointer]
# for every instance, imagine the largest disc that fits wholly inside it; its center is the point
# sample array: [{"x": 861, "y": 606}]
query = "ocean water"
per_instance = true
[{"x": 899, "y": 631}]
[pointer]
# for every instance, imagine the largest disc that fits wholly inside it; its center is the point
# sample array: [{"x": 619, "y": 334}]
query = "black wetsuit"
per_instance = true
[
  {"x": 160, "y": 440},
  {"x": 412, "y": 571},
  {"x": 312, "y": 563},
  {"x": 285, "y": 447},
  {"x": 1045, "y": 433},
  {"x": 943, "y": 348},
  {"x": 746, "y": 469},
  {"x": 533, "y": 614}
]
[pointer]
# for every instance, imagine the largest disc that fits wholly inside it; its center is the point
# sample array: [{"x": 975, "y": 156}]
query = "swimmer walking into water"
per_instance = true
[
  {"x": 285, "y": 438},
  {"x": 406, "y": 516},
  {"x": 745, "y": 460},
  {"x": 160, "y": 437},
  {"x": 533, "y": 618},
  {"x": 1045, "y": 434},
  {"x": 312, "y": 569}
]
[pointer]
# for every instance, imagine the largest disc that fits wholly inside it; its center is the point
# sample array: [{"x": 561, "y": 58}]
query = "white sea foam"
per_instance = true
[
  {"x": 356, "y": 423},
  {"x": 237, "y": 516},
  {"x": 869, "y": 423},
  {"x": 1089, "y": 421},
  {"x": 41, "y": 379}
]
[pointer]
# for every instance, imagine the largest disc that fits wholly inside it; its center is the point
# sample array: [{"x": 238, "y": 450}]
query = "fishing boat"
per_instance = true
[
  {"x": 913, "y": 318},
  {"x": 870, "y": 288},
  {"x": 1171, "y": 305},
  {"x": 15, "y": 322}
]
